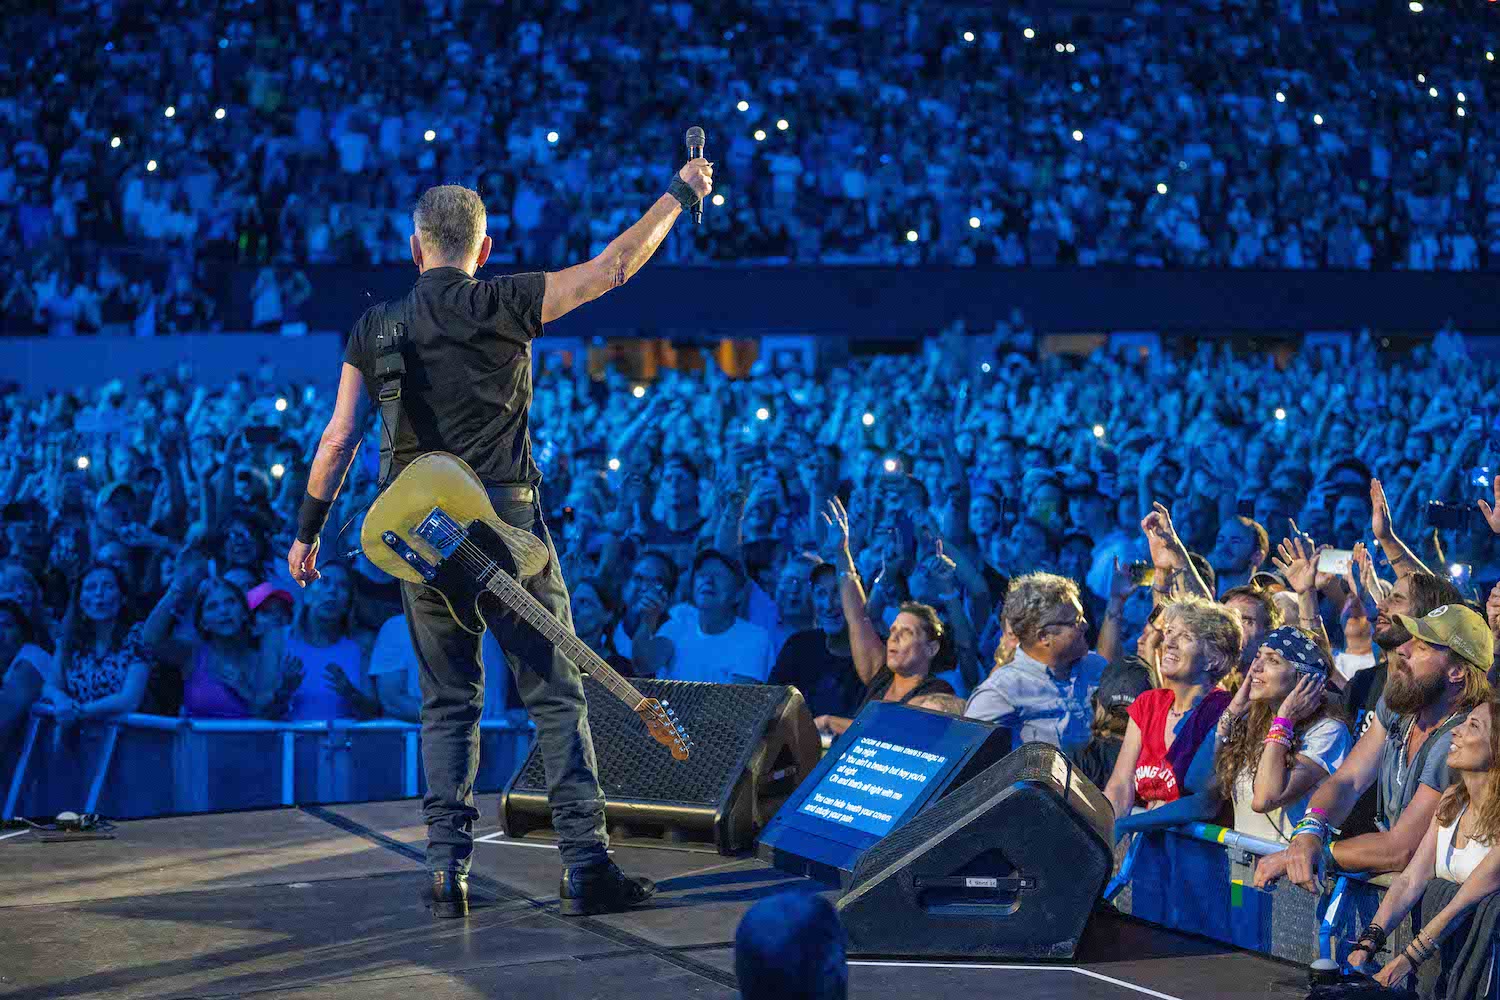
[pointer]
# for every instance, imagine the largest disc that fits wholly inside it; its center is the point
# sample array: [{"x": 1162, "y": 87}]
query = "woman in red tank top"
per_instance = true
[{"x": 1167, "y": 756}]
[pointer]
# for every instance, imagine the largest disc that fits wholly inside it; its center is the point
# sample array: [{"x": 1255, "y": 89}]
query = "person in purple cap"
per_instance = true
[{"x": 1281, "y": 735}]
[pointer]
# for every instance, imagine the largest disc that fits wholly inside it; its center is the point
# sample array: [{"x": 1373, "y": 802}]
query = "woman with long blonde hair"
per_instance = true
[{"x": 1458, "y": 849}]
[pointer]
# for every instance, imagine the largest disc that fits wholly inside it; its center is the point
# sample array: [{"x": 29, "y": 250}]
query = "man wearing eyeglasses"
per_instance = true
[{"x": 1045, "y": 693}]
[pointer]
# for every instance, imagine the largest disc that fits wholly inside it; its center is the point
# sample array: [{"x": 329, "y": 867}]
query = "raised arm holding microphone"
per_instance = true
[{"x": 466, "y": 389}]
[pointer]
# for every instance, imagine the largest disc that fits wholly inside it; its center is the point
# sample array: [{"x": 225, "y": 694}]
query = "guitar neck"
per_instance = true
[{"x": 519, "y": 600}]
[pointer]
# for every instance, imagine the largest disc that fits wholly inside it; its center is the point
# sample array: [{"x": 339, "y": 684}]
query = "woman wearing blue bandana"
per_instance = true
[{"x": 1281, "y": 736}]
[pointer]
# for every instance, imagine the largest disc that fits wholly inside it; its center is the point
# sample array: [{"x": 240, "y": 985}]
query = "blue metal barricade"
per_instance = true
[{"x": 133, "y": 766}]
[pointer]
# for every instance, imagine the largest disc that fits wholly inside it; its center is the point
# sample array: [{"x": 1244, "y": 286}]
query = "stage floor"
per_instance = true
[{"x": 325, "y": 902}]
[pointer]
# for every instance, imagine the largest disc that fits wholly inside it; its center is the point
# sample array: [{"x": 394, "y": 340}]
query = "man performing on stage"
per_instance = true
[{"x": 466, "y": 389}]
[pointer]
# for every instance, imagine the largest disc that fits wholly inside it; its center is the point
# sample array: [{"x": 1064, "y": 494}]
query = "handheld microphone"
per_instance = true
[{"x": 695, "y": 140}]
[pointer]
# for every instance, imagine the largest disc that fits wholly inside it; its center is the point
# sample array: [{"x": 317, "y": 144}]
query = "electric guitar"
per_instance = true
[{"x": 435, "y": 525}]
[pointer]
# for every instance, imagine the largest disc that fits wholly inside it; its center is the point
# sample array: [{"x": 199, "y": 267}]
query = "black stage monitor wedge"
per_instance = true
[
  {"x": 1007, "y": 867},
  {"x": 752, "y": 746}
]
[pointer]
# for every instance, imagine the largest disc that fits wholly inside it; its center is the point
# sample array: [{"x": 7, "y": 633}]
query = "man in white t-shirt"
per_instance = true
[{"x": 706, "y": 640}]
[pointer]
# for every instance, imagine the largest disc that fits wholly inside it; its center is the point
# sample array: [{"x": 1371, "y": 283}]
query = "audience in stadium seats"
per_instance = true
[
  {"x": 1046, "y": 692},
  {"x": 1454, "y": 875}
]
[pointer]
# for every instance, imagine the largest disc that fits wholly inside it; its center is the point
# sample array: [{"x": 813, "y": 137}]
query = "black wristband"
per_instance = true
[
  {"x": 685, "y": 195},
  {"x": 1375, "y": 935},
  {"x": 311, "y": 517}
]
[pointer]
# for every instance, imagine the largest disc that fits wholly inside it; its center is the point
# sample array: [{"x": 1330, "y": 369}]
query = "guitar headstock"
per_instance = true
[{"x": 665, "y": 729}]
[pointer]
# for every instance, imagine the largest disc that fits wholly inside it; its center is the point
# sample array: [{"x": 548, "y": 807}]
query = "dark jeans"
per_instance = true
[{"x": 452, "y": 680}]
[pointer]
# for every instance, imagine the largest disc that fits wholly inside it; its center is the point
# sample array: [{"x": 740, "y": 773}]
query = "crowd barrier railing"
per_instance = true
[
  {"x": 1199, "y": 878},
  {"x": 135, "y": 766}
]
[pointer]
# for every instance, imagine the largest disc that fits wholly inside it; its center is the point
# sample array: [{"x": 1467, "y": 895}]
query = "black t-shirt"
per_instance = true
[
  {"x": 881, "y": 683},
  {"x": 828, "y": 682},
  {"x": 467, "y": 388}
]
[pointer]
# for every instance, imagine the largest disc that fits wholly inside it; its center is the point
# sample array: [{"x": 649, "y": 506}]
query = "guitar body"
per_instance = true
[
  {"x": 434, "y": 525},
  {"x": 440, "y": 480}
]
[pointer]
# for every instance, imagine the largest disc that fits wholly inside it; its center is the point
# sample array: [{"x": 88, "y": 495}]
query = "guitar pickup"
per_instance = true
[{"x": 409, "y": 555}]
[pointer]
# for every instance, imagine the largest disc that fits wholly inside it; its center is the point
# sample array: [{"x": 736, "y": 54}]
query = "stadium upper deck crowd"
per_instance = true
[{"x": 1309, "y": 134}]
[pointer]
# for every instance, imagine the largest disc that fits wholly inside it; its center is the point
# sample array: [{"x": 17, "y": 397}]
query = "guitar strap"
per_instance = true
[{"x": 390, "y": 369}]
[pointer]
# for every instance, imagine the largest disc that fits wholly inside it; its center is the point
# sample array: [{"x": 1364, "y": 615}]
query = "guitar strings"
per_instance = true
[{"x": 479, "y": 562}]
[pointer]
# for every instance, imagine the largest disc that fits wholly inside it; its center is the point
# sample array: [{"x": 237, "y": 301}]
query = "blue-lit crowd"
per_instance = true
[
  {"x": 1188, "y": 570},
  {"x": 1317, "y": 133}
]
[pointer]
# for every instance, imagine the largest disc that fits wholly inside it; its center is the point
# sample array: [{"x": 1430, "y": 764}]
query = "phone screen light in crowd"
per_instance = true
[
  {"x": 743, "y": 106},
  {"x": 551, "y": 136},
  {"x": 1098, "y": 430},
  {"x": 1421, "y": 77},
  {"x": 968, "y": 36},
  {"x": 1070, "y": 47},
  {"x": 1280, "y": 97},
  {"x": 973, "y": 222},
  {"x": 718, "y": 199},
  {"x": 1456, "y": 570},
  {"x": 1078, "y": 135},
  {"x": 1317, "y": 119},
  {"x": 429, "y": 135},
  {"x": 1432, "y": 91},
  {"x": 1416, "y": 8},
  {"x": 911, "y": 236},
  {"x": 114, "y": 143},
  {"x": 891, "y": 465},
  {"x": 638, "y": 391},
  {"x": 614, "y": 465},
  {"x": 762, "y": 414},
  {"x": 278, "y": 470},
  {"x": 868, "y": 419},
  {"x": 985, "y": 367},
  {"x": 171, "y": 112},
  {"x": 1280, "y": 413},
  {"x": 782, "y": 124},
  {"x": 1462, "y": 113},
  {"x": 1460, "y": 96},
  {"x": 150, "y": 166},
  {"x": 760, "y": 135},
  {"x": 1161, "y": 187},
  {"x": 1058, "y": 47},
  {"x": 280, "y": 404},
  {"x": 1489, "y": 57},
  {"x": 82, "y": 462},
  {"x": 1029, "y": 33}
]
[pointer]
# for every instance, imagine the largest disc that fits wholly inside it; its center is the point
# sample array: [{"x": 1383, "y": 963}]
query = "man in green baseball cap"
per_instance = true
[{"x": 1458, "y": 628}]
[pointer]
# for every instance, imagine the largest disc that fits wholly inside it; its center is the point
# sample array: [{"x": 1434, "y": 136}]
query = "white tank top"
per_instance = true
[{"x": 1453, "y": 863}]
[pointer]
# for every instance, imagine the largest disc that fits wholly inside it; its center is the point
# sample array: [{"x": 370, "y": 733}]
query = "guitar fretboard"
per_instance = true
[{"x": 519, "y": 600}]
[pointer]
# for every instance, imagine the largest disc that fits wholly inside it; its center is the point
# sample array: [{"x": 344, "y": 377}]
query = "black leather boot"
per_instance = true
[
  {"x": 450, "y": 894},
  {"x": 601, "y": 888}
]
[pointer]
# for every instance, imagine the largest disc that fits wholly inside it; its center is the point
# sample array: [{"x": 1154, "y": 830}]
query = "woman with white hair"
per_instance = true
[{"x": 1165, "y": 772}]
